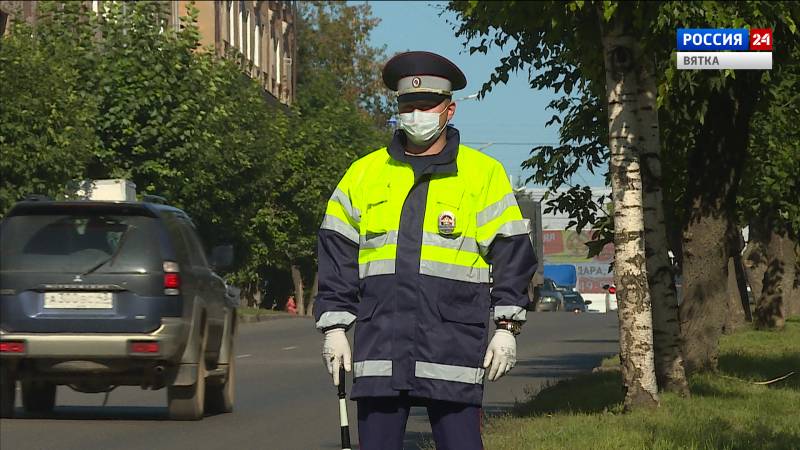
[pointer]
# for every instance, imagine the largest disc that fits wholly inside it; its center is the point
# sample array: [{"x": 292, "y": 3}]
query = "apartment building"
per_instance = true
[
  {"x": 259, "y": 33},
  {"x": 11, "y": 10}
]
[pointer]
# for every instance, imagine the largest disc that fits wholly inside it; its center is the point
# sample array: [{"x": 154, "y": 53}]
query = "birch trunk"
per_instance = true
[
  {"x": 622, "y": 56},
  {"x": 670, "y": 374},
  {"x": 736, "y": 317},
  {"x": 770, "y": 308},
  {"x": 297, "y": 281},
  {"x": 313, "y": 296},
  {"x": 794, "y": 296},
  {"x": 791, "y": 303}
]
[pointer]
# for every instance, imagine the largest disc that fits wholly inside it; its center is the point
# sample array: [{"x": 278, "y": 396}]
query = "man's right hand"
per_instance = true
[{"x": 335, "y": 352}]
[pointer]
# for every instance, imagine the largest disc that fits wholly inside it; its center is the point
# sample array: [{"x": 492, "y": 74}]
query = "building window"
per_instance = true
[
  {"x": 278, "y": 56},
  {"x": 249, "y": 41},
  {"x": 231, "y": 24},
  {"x": 257, "y": 50},
  {"x": 176, "y": 16},
  {"x": 240, "y": 42},
  {"x": 3, "y": 22}
]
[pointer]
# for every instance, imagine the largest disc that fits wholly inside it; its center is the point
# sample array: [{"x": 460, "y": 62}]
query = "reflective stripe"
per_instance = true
[
  {"x": 376, "y": 241},
  {"x": 445, "y": 372},
  {"x": 510, "y": 312},
  {"x": 340, "y": 197},
  {"x": 373, "y": 368},
  {"x": 331, "y": 318},
  {"x": 377, "y": 267},
  {"x": 467, "y": 244},
  {"x": 454, "y": 272},
  {"x": 338, "y": 225},
  {"x": 510, "y": 228},
  {"x": 494, "y": 210}
]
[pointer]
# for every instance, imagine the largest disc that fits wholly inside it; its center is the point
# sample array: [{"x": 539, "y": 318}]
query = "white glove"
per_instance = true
[
  {"x": 501, "y": 354},
  {"x": 335, "y": 352}
]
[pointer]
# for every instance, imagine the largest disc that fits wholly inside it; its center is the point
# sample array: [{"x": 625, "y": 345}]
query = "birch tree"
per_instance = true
[
  {"x": 626, "y": 131},
  {"x": 559, "y": 41},
  {"x": 670, "y": 372}
]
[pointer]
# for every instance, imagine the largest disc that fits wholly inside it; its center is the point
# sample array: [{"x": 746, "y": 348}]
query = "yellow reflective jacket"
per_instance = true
[{"x": 405, "y": 249}]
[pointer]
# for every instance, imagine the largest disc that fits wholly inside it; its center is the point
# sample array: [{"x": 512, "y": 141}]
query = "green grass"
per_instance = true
[{"x": 725, "y": 411}]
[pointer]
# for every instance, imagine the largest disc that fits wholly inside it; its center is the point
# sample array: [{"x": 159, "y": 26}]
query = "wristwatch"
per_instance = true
[{"x": 510, "y": 325}]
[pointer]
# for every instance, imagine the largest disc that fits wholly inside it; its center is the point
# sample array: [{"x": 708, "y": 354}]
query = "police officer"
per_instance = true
[{"x": 405, "y": 249}]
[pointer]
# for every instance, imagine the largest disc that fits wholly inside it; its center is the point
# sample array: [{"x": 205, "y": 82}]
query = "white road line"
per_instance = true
[
  {"x": 289, "y": 348},
  {"x": 244, "y": 356}
]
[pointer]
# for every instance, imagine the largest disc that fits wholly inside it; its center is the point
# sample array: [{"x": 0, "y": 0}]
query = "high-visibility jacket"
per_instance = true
[{"x": 405, "y": 250}]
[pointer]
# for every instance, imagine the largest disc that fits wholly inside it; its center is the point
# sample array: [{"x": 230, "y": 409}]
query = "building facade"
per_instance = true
[{"x": 260, "y": 34}]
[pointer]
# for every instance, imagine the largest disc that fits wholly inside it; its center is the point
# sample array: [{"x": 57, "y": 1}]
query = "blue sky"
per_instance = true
[{"x": 511, "y": 113}]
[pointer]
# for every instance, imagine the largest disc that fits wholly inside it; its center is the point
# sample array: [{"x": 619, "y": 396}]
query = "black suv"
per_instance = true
[{"x": 98, "y": 294}]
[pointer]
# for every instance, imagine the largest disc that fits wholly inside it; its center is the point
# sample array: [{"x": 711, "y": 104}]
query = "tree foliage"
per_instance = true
[
  {"x": 556, "y": 43},
  {"x": 124, "y": 94}
]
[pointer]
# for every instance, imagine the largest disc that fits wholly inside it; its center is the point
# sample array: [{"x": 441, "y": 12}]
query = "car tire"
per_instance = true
[
  {"x": 38, "y": 397},
  {"x": 220, "y": 394},
  {"x": 188, "y": 402},
  {"x": 8, "y": 393}
]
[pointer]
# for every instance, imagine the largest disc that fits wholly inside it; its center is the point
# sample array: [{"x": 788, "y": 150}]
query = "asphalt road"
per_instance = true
[{"x": 285, "y": 399}]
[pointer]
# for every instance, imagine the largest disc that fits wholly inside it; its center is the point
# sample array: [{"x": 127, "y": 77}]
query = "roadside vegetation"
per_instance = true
[
  {"x": 126, "y": 95},
  {"x": 726, "y": 409}
]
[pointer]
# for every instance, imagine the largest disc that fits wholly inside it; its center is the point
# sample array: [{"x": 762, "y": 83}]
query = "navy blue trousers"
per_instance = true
[{"x": 382, "y": 423}]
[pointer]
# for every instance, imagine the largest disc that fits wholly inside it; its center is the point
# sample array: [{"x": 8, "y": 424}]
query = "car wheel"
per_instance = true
[
  {"x": 38, "y": 396},
  {"x": 8, "y": 392},
  {"x": 220, "y": 394},
  {"x": 187, "y": 402}
]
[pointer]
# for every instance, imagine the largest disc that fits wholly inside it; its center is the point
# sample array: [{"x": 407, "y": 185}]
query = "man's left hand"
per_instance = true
[{"x": 501, "y": 355}]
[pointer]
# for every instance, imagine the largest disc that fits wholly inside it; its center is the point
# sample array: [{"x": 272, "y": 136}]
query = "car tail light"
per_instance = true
[
  {"x": 612, "y": 290},
  {"x": 172, "y": 281},
  {"x": 146, "y": 347},
  {"x": 172, "y": 278},
  {"x": 12, "y": 347}
]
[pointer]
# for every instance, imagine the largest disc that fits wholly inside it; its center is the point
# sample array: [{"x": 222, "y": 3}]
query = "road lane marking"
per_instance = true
[
  {"x": 289, "y": 348},
  {"x": 244, "y": 356}
]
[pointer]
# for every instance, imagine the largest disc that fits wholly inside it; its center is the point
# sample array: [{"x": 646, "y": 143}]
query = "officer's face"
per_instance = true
[{"x": 430, "y": 106}]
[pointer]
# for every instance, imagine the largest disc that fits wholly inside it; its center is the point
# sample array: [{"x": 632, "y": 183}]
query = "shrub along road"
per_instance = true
[{"x": 285, "y": 399}]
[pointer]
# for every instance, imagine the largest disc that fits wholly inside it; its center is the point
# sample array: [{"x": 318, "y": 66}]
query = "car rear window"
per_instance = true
[{"x": 78, "y": 241}]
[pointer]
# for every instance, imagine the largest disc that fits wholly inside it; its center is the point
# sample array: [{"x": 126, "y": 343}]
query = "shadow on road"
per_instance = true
[{"x": 142, "y": 413}]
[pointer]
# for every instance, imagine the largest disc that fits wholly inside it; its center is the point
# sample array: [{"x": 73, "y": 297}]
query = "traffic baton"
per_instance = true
[{"x": 343, "y": 411}]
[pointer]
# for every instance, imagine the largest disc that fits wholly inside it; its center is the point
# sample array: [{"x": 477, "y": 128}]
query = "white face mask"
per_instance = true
[{"x": 422, "y": 127}]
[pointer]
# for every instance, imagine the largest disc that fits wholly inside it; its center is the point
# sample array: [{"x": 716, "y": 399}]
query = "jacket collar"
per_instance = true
[{"x": 443, "y": 162}]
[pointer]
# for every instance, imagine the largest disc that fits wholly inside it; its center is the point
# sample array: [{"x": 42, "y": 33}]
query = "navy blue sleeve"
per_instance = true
[
  {"x": 513, "y": 263},
  {"x": 337, "y": 295}
]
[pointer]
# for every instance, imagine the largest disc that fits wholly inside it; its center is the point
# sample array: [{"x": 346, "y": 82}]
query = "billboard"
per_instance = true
[{"x": 568, "y": 247}]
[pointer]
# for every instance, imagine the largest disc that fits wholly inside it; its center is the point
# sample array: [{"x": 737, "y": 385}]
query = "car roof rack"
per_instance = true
[{"x": 150, "y": 198}]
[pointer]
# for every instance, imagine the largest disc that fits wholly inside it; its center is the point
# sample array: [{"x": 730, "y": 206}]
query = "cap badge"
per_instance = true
[
  {"x": 447, "y": 222},
  {"x": 416, "y": 82}
]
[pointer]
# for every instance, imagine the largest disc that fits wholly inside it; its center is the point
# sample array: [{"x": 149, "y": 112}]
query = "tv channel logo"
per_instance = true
[
  {"x": 715, "y": 39},
  {"x": 724, "y": 48},
  {"x": 710, "y": 39}
]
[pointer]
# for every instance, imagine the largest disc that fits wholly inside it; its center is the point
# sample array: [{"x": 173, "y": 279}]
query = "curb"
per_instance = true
[{"x": 249, "y": 318}]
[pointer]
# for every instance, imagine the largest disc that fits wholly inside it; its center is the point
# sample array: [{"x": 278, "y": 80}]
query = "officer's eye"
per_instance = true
[{"x": 420, "y": 105}]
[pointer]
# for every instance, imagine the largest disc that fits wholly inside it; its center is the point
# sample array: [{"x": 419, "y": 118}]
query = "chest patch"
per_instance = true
[{"x": 447, "y": 222}]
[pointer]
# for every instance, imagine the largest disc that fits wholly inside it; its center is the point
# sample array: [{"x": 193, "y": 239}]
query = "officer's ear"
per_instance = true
[{"x": 451, "y": 110}]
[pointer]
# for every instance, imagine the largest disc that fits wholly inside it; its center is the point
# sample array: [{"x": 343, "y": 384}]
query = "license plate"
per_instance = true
[{"x": 78, "y": 300}]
